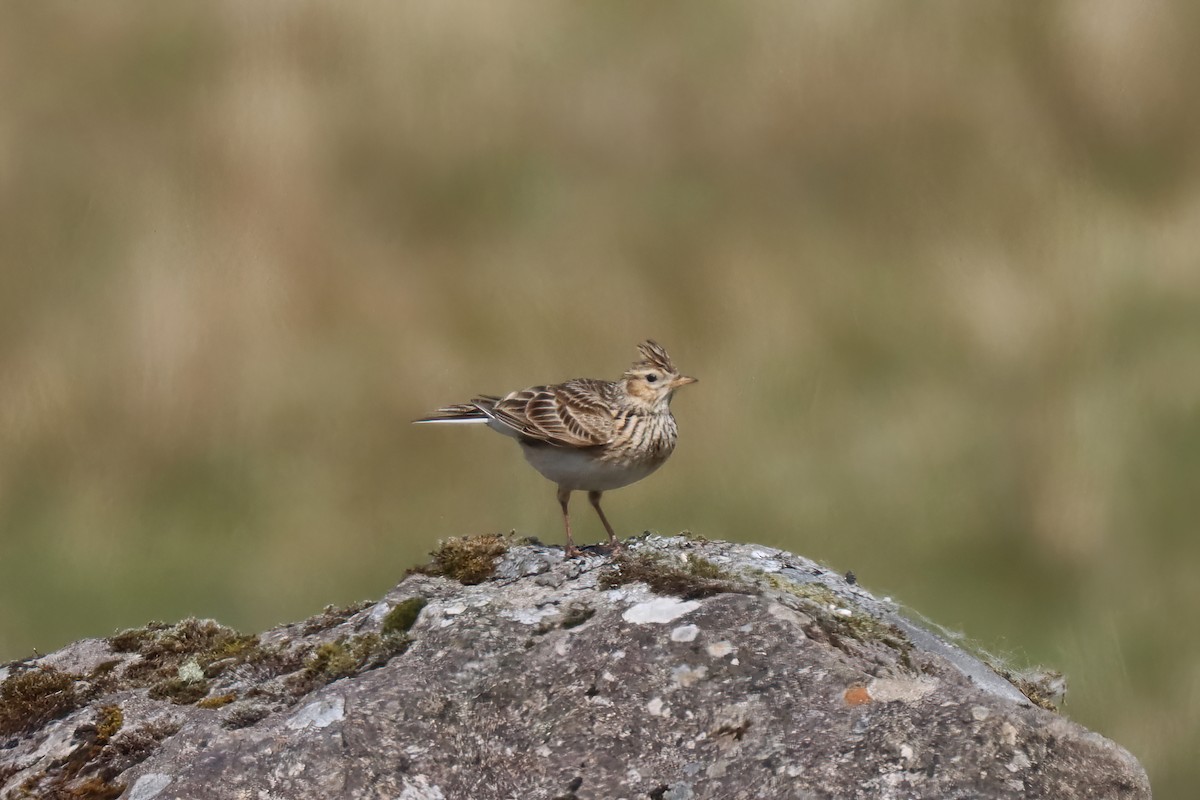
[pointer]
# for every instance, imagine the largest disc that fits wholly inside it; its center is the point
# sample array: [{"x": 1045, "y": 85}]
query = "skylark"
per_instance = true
[{"x": 586, "y": 434}]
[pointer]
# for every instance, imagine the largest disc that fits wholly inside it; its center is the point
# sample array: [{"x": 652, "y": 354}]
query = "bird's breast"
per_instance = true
[
  {"x": 642, "y": 437},
  {"x": 641, "y": 444}
]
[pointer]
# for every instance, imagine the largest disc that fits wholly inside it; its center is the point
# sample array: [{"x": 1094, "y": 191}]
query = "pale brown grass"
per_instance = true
[{"x": 935, "y": 265}]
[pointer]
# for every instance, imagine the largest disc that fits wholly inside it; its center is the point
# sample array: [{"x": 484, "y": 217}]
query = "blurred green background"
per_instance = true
[{"x": 934, "y": 263}]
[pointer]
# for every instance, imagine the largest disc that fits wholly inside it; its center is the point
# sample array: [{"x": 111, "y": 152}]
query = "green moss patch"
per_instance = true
[
  {"x": 574, "y": 616},
  {"x": 332, "y": 616},
  {"x": 177, "y": 661},
  {"x": 697, "y": 577},
  {"x": 467, "y": 559},
  {"x": 179, "y": 691},
  {"x": 217, "y": 701},
  {"x": 183, "y": 663},
  {"x": 403, "y": 616},
  {"x": 163, "y": 649},
  {"x": 346, "y": 656},
  {"x": 93, "y": 788},
  {"x": 30, "y": 698},
  {"x": 109, "y": 720},
  {"x": 134, "y": 746},
  {"x": 108, "y": 749},
  {"x": 132, "y": 640},
  {"x": 83, "y": 774}
]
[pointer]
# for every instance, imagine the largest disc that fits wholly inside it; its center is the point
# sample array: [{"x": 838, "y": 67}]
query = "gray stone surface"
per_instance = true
[{"x": 553, "y": 679}]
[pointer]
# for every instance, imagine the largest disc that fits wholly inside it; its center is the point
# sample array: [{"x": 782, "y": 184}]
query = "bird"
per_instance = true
[{"x": 585, "y": 434}]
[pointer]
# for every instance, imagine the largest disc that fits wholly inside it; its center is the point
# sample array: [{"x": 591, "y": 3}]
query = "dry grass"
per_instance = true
[{"x": 934, "y": 263}]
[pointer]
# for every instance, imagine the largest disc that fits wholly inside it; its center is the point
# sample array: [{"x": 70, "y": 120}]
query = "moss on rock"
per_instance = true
[
  {"x": 30, "y": 698},
  {"x": 403, "y": 616},
  {"x": 466, "y": 559},
  {"x": 694, "y": 578}
]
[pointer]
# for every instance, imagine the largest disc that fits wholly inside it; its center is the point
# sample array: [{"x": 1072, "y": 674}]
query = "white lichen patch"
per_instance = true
[
  {"x": 379, "y": 611},
  {"x": 443, "y": 615},
  {"x": 149, "y": 786},
  {"x": 656, "y": 707},
  {"x": 190, "y": 671},
  {"x": 419, "y": 788},
  {"x": 908, "y": 690},
  {"x": 320, "y": 714},
  {"x": 685, "y": 633},
  {"x": 679, "y": 791},
  {"x": 719, "y": 649},
  {"x": 765, "y": 562},
  {"x": 529, "y": 616},
  {"x": 660, "y": 610},
  {"x": 686, "y": 675},
  {"x": 1019, "y": 762}
]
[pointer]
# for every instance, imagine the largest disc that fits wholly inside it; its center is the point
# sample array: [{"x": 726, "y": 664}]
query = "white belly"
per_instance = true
[{"x": 579, "y": 471}]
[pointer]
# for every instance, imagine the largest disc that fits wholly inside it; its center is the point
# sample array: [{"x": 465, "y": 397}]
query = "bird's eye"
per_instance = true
[{"x": 651, "y": 377}]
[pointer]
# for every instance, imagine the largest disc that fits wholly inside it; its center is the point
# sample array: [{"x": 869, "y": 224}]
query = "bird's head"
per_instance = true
[{"x": 653, "y": 379}]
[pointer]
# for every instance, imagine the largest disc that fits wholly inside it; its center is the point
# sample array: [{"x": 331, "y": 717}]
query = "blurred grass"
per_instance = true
[{"x": 935, "y": 264}]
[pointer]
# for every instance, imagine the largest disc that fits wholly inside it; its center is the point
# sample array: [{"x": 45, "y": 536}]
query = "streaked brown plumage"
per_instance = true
[{"x": 586, "y": 434}]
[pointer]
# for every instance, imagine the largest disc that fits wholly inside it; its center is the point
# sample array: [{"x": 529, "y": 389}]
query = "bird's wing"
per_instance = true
[{"x": 578, "y": 413}]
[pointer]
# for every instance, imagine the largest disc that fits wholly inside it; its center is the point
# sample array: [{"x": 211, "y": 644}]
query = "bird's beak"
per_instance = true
[{"x": 682, "y": 380}]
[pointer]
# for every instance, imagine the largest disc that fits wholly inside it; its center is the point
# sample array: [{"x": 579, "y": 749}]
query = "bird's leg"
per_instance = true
[
  {"x": 594, "y": 497},
  {"x": 564, "y": 497}
]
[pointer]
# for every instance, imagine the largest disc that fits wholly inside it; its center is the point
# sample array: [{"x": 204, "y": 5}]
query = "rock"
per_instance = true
[{"x": 681, "y": 669}]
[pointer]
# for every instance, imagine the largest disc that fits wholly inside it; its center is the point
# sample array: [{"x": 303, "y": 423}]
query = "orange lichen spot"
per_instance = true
[{"x": 857, "y": 696}]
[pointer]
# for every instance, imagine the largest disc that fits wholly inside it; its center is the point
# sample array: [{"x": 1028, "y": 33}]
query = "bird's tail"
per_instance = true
[{"x": 474, "y": 412}]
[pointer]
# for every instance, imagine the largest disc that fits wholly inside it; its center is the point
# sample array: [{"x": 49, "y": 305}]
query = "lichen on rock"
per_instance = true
[{"x": 681, "y": 668}]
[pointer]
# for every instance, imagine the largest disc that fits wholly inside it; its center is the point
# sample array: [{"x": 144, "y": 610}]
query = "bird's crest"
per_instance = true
[{"x": 654, "y": 357}]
